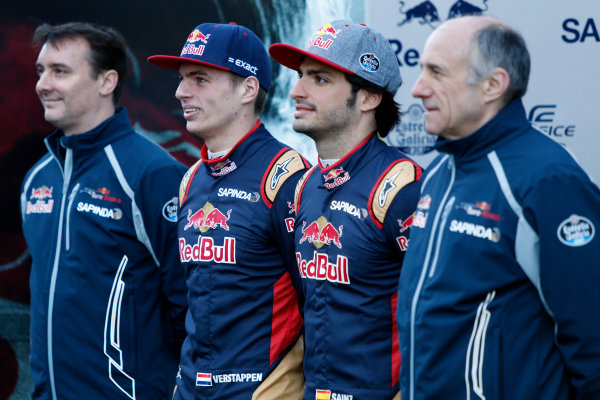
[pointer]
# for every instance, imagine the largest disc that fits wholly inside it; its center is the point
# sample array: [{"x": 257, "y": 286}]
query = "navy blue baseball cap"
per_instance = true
[{"x": 229, "y": 47}]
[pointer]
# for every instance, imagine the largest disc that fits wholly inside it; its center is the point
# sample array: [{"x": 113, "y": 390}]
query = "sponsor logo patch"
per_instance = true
[
  {"x": 321, "y": 232},
  {"x": 169, "y": 210},
  {"x": 479, "y": 209},
  {"x": 101, "y": 194},
  {"x": 338, "y": 205},
  {"x": 369, "y": 62},
  {"x": 576, "y": 231},
  {"x": 223, "y": 168},
  {"x": 239, "y": 194},
  {"x": 407, "y": 223},
  {"x": 104, "y": 212},
  {"x": 321, "y": 269},
  {"x": 336, "y": 177},
  {"x": 475, "y": 230},
  {"x": 208, "y": 217},
  {"x": 43, "y": 201}
]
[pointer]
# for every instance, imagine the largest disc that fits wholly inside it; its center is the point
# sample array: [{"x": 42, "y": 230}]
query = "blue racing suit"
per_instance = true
[
  {"x": 236, "y": 243},
  {"x": 352, "y": 226}
]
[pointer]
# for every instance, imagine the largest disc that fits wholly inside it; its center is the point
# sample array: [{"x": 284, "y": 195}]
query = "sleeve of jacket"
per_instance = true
[
  {"x": 399, "y": 217},
  {"x": 565, "y": 213},
  {"x": 158, "y": 200},
  {"x": 283, "y": 219}
]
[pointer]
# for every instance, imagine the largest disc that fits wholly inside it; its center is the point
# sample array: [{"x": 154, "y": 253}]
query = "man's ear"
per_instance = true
[
  {"x": 368, "y": 100},
  {"x": 108, "y": 81},
  {"x": 495, "y": 85},
  {"x": 250, "y": 88}
]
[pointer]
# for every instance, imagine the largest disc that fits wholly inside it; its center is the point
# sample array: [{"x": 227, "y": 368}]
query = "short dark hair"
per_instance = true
[
  {"x": 107, "y": 47},
  {"x": 497, "y": 45},
  {"x": 261, "y": 97},
  {"x": 387, "y": 113}
]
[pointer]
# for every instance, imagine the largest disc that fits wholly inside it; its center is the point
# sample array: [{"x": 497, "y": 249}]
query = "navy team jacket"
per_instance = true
[
  {"x": 499, "y": 293},
  {"x": 107, "y": 290}
]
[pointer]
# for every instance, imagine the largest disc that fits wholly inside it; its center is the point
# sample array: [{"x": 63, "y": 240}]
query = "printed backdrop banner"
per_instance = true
[{"x": 564, "y": 42}]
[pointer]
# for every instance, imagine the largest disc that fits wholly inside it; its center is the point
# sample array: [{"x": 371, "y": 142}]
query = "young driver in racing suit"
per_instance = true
[
  {"x": 235, "y": 226},
  {"x": 353, "y": 210}
]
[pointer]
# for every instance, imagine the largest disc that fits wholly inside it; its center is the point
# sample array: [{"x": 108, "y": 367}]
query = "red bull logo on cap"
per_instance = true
[
  {"x": 321, "y": 232},
  {"x": 327, "y": 29},
  {"x": 208, "y": 217},
  {"x": 196, "y": 35}
]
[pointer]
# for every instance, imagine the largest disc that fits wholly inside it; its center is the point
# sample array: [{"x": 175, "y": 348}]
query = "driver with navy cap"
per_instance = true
[
  {"x": 354, "y": 210},
  {"x": 235, "y": 228}
]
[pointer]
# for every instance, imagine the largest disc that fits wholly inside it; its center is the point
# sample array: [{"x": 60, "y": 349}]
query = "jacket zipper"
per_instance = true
[
  {"x": 69, "y": 209},
  {"x": 429, "y": 264},
  {"x": 68, "y": 169}
]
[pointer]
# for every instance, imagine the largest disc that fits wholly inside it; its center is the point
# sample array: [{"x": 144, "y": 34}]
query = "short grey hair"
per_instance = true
[{"x": 497, "y": 45}]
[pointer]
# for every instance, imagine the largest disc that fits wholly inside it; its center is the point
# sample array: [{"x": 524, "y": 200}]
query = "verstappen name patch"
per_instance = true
[
  {"x": 321, "y": 269},
  {"x": 238, "y": 378},
  {"x": 207, "y": 378}
]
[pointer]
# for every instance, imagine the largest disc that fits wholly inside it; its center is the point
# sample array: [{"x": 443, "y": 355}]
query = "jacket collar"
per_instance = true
[
  {"x": 247, "y": 146},
  {"x": 107, "y": 132},
  {"x": 339, "y": 173},
  {"x": 508, "y": 123}
]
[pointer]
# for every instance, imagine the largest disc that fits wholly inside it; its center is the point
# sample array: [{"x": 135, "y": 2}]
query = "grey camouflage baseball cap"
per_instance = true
[{"x": 349, "y": 47}]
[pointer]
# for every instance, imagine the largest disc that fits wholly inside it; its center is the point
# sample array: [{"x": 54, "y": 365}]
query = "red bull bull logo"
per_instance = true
[
  {"x": 208, "y": 217},
  {"x": 196, "y": 35},
  {"x": 41, "y": 193},
  {"x": 406, "y": 224},
  {"x": 327, "y": 29},
  {"x": 320, "y": 233}
]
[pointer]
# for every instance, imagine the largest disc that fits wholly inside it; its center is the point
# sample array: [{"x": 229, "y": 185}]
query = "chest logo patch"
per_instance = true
[
  {"x": 208, "y": 217},
  {"x": 336, "y": 177},
  {"x": 321, "y": 232}
]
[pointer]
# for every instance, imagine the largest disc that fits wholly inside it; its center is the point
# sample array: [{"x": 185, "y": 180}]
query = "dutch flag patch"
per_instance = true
[{"x": 203, "y": 379}]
